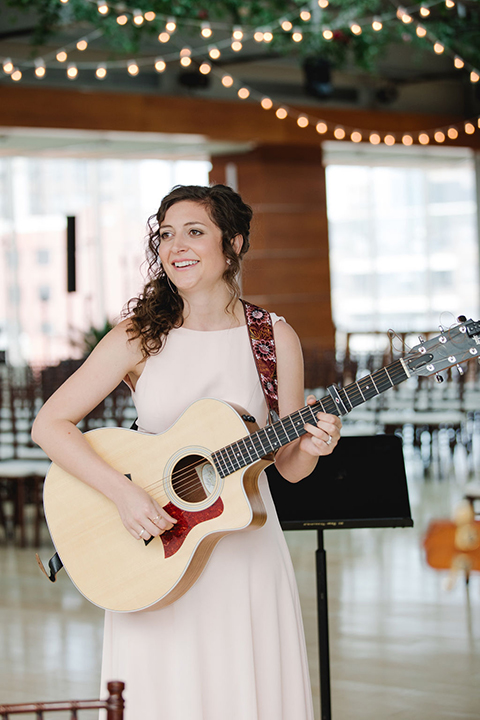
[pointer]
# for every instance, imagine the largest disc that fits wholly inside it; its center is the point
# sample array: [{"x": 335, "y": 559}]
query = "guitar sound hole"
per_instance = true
[{"x": 193, "y": 478}]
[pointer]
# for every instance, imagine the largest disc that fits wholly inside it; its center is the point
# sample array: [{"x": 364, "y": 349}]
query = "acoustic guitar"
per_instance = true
[{"x": 204, "y": 472}]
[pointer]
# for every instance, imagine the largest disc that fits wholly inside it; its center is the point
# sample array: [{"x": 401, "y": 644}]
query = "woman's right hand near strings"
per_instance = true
[{"x": 55, "y": 430}]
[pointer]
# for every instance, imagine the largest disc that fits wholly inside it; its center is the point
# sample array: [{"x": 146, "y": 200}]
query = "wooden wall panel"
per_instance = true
[{"x": 287, "y": 268}]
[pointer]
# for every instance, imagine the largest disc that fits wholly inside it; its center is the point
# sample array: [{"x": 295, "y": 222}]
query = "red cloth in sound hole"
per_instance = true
[{"x": 173, "y": 539}]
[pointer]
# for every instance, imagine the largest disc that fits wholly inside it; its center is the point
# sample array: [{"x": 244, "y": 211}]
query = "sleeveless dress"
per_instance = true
[{"x": 233, "y": 646}]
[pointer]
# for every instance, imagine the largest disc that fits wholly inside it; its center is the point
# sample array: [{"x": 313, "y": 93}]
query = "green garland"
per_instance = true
[{"x": 458, "y": 28}]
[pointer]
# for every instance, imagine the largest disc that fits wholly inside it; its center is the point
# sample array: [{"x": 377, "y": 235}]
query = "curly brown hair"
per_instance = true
[{"x": 159, "y": 308}]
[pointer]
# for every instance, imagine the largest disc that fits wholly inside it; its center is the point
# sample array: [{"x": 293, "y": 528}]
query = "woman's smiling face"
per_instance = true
[{"x": 191, "y": 247}]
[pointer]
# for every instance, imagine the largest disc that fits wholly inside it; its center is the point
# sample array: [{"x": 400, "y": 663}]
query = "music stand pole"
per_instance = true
[{"x": 322, "y": 612}]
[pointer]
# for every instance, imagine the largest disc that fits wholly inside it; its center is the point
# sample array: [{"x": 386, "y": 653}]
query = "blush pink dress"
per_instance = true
[{"x": 233, "y": 647}]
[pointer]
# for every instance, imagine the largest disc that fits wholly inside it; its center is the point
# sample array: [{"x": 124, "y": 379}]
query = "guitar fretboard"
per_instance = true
[{"x": 272, "y": 437}]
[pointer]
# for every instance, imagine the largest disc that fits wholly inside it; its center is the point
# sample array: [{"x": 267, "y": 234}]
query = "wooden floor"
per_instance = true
[{"x": 401, "y": 645}]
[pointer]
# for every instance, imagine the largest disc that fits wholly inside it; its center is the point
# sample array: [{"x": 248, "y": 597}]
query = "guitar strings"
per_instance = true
[{"x": 187, "y": 483}]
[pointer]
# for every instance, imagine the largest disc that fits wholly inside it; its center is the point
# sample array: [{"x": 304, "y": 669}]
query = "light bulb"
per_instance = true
[
  {"x": 164, "y": 37},
  {"x": 423, "y": 139},
  {"x": 474, "y": 76},
  {"x": 452, "y": 133},
  {"x": 305, "y": 15},
  {"x": 458, "y": 62},
  {"x": 8, "y": 66},
  {"x": 281, "y": 113},
  {"x": 72, "y": 71},
  {"x": 16, "y": 75},
  {"x": 377, "y": 24},
  {"x": 214, "y": 52},
  {"x": 339, "y": 133},
  {"x": 160, "y": 65},
  {"x": 237, "y": 33},
  {"x": 122, "y": 19},
  {"x": 327, "y": 34},
  {"x": 258, "y": 36},
  {"x": 227, "y": 81},
  {"x": 82, "y": 45},
  {"x": 243, "y": 93},
  {"x": 356, "y": 136},
  {"x": 302, "y": 121},
  {"x": 420, "y": 30},
  {"x": 424, "y": 11},
  {"x": 206, "y": 30},
  {"x": 469, "y": 128},
  {"x": 101, "y": 72},
  {"x": 266, "y": 103},
  {"x": 61, "y": 56},
  {"x": 138, "y": 17},
  {"x": 389, "y": 140},
  {"x": 267, "y": 36},
  {"x": 205, "y": 68},
  {"x": 321, "y": 128},
  {"x": 297, "y": 36},
  {"x": 323, "y": 4},
  {"x": 40, "y": 69},
  {"x": 185, "y": 61},
  {"x": 374, "y": 138},
  {"x": 407, "y": 139},
  {"x": 171, "y": 25},
  {"x": 102, "y": 7},
  {"x": 286, "y": 25},
  {"x": 150, "y": 16},
  {"x": 236, "y": 46},
  {"x": 439, "y": 48},
  {"x": 356, "y": 29},
  {"x": 439, "y": 136},
  {"x": 133, "y": 68}
]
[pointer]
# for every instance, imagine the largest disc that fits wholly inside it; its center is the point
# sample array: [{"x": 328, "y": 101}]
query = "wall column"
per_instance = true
[{"x": 287, "y": 267}]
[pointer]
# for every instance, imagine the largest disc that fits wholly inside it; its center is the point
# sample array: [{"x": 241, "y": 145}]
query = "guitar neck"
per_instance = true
[{"x": 339, "y": 401}]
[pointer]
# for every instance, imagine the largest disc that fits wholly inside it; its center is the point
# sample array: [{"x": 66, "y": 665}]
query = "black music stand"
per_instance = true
[{"x": 361, "y": 484}]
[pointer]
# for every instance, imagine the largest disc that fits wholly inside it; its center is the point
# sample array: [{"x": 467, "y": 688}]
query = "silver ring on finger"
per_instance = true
[
  {"x": 141, "y": 533},
  {"x": 329, "y": 441}
]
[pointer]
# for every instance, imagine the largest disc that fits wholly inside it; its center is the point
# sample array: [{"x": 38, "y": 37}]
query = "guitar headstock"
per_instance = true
[{"x": 452, "y": 347}]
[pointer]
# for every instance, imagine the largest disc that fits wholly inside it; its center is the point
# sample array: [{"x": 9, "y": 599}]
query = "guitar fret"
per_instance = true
[
  {"x": 368, "y": 391},
  {"x": 266, "y": 438},
  {"x": 289, "y": 418},
  {"x": 281, "y": 432},
  {"x": 386, "y": 370},
  {"x": 347, "y": 397}
]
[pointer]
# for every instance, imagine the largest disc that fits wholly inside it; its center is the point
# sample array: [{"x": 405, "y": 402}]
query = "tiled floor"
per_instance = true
[{"x": 401, "y": 646}]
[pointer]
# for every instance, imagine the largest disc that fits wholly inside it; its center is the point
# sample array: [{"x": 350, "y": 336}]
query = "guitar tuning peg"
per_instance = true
[
  {"x": 461, "y": 319},
  {"x": 439, "y": 378},
  {"x": 421, "y": 339},
  {"x": 460, "y": 370}
]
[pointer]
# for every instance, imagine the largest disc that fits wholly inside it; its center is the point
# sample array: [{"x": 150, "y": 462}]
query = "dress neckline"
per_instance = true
[{"x": 207, "y": 332}]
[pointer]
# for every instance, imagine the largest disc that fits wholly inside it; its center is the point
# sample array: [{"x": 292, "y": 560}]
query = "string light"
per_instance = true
[
  {"x": 8, "y": 66},
  {"x": 243, "y": 93},
  {"x": 227, "y": 81},
  {"x": 258, "y": 36},
  {"x": 474, "y": 76},
  {"x": 356, "y": 29},
  {"x": 323, "y": 4},
  {"x": 449, "y": 4},
  {"x": 281, "y": 113},
  {"x": 164, "y": 37},
  {"x": 61, "y": 55},
  {"x": 423, "y": 139},
  {"x": 438, "y": 48},
  {"x": 321, "y": 128},
  {"x": 266, "y": 103},
  {"x": 407, "y": 139},
  {"x": 458, "y": 62},
  {"x": 406, "y": 18},
  {"x": 138, "y": 17},
  {"x": 206, "y": 30},
  {"x": 171, "y": 25},
  {"x": 150, "y": 16},
  {"x": 305, "y": 15},
  {"x": 424, "y": 11},
  {"x": 356, "y": 136},
  {"x": 268, "y": 36},
  {"x": 185, "y": 61},
  {"x": 101, "y": 72},
  {"x": 439, "y": 136},
  {"x": 478, "y": 122},
  {"x": 236, "y": 46},
  {"x": 339, "y": 133},
  {"x": 421, "y": 31},
  {"x": 374, "y": 138},
  {"x": 297, "y": 36},
  {"x": 40, "y": 69},
  {"x": 72, "y": 71},
  {"x": 214, "y": 52},
  {"x": 469, "y": 128},
  {"x": 452, "y": 133},
  {"x": 377, "y": 24},
  {"x": 389, "y": 140},
  {"x": 286, "y": 25},
  {"x": 102, "y": 7},
  {"x": 302, "y": 121},
  {"x": 160, "y": 65},
  {"x": 185, "y": 52},
  {"x": 237, "y": 33},
  {"x": 133, "y": 68},
  {"x": 16, "y": 75},
  {"x": 122, "y": 19},
  {"x": 205, "y": 68},
  {"x": 82, "y": 44},
  {"x": 64, "y": 1},
  {"x": 327, "y": 34}
]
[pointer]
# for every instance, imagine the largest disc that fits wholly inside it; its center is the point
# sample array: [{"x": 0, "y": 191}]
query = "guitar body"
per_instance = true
[{"x": 106, "y": 563}]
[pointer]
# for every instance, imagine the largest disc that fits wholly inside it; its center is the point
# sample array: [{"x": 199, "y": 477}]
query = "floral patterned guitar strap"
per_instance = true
[{"x": 260, "y": 328}]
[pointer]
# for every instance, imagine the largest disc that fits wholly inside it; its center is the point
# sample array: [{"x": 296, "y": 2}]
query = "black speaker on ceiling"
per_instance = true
[{"x": 317, "y": 73}]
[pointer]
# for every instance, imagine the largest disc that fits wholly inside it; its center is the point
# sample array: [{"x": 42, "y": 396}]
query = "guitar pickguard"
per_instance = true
[{"x": 173, "y": 539}]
